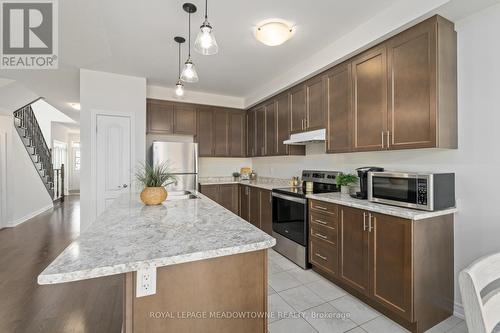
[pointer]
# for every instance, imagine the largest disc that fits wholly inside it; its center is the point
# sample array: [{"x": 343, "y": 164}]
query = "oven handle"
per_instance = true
[{"x": 290, "y": 198}]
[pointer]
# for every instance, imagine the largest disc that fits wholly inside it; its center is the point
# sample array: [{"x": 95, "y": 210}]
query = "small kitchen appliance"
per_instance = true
[
  {"x": 290, "y": 222},
  {"x": 363, "y": 181},
  {"x": 425, "y": 191}
]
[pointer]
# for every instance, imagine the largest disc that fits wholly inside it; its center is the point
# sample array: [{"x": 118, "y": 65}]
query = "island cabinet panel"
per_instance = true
[
  {"x": 354, "y": 256},
  {"x": 237, "y": 141},
  {"x": 298, "y": 108},
  {"x": 339, "y": 109},
  {"x": 254, "y": 207},
  {"x": 369, "y": 75},
  {"x": 205, "y": 132},
  {"x": 251, "y": 133},
  {"x": 228, "y": 284},
  {"x": 245, "y": 202},
  {"x": 271, "y": 129},
  {"x": 391, "y": 263},
  {"x": 184, "y": 119},
  {"x": 316, "y": 103},
  {"x": 266, "y": 211},
  {"x": 160, "y": 117},
  {"x": 260, "y": 131}
]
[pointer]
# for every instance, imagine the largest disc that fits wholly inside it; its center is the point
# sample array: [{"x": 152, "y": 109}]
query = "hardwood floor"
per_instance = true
[{"x": 86, "y": 306}]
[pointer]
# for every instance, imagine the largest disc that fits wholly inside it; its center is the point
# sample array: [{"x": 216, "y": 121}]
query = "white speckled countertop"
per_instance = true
[
  {"x": 129, "y": 236},
  {"x": 407, "y": 213},
  {"x": 267, "y": 183}
]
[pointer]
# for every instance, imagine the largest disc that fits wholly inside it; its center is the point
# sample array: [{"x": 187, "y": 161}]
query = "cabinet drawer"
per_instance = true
[
  {"x": 324, "y": 207},
  {"x": 323, "y": 219},
  {"x": 318, "y": 231},
  {"x": 323, "y": 255}
]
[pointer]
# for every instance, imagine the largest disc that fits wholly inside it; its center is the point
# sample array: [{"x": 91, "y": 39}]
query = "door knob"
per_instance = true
[{"x": 123, "y": 186}]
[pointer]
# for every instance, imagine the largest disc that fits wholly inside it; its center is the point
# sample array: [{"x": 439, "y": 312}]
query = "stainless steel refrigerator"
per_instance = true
[{"x": 182, "y": 159}]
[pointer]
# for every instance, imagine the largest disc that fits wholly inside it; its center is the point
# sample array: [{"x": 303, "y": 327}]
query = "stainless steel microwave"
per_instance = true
[{"x": 425, "y": 191}]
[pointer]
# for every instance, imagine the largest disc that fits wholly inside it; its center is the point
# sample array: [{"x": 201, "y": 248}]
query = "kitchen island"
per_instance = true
[{"x": 211, "y": 265}]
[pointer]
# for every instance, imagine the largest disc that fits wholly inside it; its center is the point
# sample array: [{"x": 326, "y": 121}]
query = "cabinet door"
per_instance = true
[
  {"x": 271, "y": 130},
  {"x": 244, "y": 202},
  {"x": 339, "y": 109},
  {"x": 316, "y": 103},
  {"x": 391, "y": 263},
  {"x": 184, "y": 119},
  {"x": 221, "y": 127},
  {"x": 369, "y": 72},
  {"x": 205, "y": 132},
  {"x": 251, "y": 133},
  {"x": 411, "y": 59},
  {"x": 236, "y": 134},
  {"x": 298, "y": 108},
  {"x": 160, "y": 117},
  {"x": 211, "y": 191},
  {"x": 354, "y": 248},
  {"x": 260, "y": 132},
  {"x": 283, "y": 123},
  {"x": 228, "y": 197},
  {"x": 266, "y": 211},
  {"x": 254, "y": 207}
]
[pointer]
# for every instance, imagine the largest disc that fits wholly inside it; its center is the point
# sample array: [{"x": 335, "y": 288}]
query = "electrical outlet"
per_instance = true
[{"x": 146, "y": 282}]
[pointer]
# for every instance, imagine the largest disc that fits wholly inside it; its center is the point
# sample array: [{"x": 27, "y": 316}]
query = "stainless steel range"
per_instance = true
[{"x": 290, "y": 222}]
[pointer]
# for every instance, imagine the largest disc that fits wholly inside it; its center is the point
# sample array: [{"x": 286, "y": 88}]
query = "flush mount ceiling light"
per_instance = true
[
  {"x": 274, "y": 32},
  {"x": 179, "y": 87},
  {"x": 189, "y": 72},
  {"x": 205, "y": 41},
  {"x": 75, "y": 106}
]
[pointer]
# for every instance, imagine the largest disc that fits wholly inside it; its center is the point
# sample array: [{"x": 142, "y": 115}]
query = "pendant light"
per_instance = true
[
  {"x": 179, "y": 87},
  {"x": 189, "y": 72},
  {"x": 205, "y": 41}
]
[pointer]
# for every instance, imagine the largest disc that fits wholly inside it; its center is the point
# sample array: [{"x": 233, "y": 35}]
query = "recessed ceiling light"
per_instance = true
[
  {"x": 75, "y": 106},
  {"x": 273, "y": 32}
]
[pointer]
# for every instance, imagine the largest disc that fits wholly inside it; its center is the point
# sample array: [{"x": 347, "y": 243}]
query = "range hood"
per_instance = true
[{"x": 301, "y": 139}]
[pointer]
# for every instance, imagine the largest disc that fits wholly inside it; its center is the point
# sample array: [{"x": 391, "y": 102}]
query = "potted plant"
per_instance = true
[
  {"x": 154, "y": 178},
  {"x": 345, "y": 181},
  {"x": 236, "y": 175}
]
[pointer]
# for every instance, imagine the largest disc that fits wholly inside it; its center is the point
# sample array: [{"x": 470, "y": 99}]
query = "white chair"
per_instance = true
[{"x": 482, "y": 314}]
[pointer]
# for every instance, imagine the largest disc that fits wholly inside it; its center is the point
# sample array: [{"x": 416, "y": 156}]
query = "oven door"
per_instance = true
[
  {"x": 290, "y": 217},
  {"x": 394, "y": 188}
]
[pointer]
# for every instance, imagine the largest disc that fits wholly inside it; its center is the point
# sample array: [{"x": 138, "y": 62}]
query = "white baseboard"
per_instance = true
[
  {"x": 25, "y": 218},
  {"x": 458, "y": 310}
]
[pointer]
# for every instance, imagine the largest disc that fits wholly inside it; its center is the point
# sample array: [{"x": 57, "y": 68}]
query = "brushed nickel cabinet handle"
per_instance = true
[
  {"x": 370, "y": 227},
  {"x": 364, "y": 221},
  {"x": 320, "y": 256},
  {"x": 320, "y": 207},
  {"x": 388, "y": 139},
  {"x": 321, "y": 222},
  {"x": 320, "y": 235},
  {"x": 382, "y": 132}
]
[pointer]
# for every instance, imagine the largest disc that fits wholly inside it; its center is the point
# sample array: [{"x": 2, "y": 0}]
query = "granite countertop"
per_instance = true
[
  {"x": 407, "y": 213},
  {"x": 129, "y": 236},
  {"x": 267, "y": 183}
]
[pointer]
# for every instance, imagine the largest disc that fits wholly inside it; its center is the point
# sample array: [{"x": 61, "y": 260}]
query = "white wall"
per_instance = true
[
  {"x": 476, "y": 162},
  {"x": 26, "y": 195},
  {"x": 100, "y": 91}
]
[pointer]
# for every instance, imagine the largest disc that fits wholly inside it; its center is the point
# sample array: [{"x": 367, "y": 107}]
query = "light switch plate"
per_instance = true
[{"x": 146, "y": 282}]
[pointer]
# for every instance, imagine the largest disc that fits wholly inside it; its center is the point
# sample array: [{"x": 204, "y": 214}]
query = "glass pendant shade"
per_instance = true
[
  {"x": 205, "y": 41},
  {"x": 179, "y": 89},
  {"x": 189, "y": 72}
]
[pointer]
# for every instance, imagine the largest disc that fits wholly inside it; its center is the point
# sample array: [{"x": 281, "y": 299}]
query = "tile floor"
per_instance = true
[{"x": 302, "y": 301}]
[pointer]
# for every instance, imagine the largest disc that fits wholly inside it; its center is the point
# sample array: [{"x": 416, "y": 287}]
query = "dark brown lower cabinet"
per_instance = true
[
  {"x": 254, "y": 207},
  {"x": 266, "y": 211},
  {"x": 401, "y": 267},
  {"x": 224, "y": 194},
  {"x": 245, "y": 202}
]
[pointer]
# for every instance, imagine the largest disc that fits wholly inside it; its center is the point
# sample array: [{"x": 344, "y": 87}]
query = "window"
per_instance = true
[{"x": 76, "y": 156}]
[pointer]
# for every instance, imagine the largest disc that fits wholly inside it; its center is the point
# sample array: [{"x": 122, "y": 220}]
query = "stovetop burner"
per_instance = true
[{"x": 323, "y": 182}]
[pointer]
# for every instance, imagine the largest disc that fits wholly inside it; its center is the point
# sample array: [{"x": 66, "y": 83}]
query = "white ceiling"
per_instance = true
[{"x": 136, "y": 38}]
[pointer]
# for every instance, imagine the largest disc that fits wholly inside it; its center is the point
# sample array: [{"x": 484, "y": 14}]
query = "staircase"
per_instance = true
[{"x": 28, "y": 129}]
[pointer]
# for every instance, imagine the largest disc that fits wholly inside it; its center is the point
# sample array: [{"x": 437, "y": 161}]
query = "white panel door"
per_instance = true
[{"x": 113, "y": 162}]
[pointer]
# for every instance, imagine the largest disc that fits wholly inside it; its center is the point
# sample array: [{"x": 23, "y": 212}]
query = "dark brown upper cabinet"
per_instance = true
[
  {"x": 237, "y": 141},
  {"x": 221, "y": 127},
  {"x": 315, "y": 103},
  {"x": 369, "y": 108},
  {"x": 251, "y": 133},
  {"x": 184, "y": 119},
  {"x": 298, "y": 108},
  {"x": 160, "y": 117},
  {"x": 283, "y": 123},
  {"x": 338, "y": 82},
  {"x": 422, "y": 87},
  {"x": 260, "y": 131},
  {"x": 271, "y": 129},
  {"x": 205, "y": 132}
]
